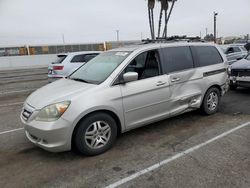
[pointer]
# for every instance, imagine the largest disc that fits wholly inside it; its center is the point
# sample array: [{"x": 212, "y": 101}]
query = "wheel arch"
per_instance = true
[{"x": 109, "y": 112}]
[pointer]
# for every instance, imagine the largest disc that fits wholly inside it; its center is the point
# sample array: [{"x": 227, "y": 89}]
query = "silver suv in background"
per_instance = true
[
  {"x": 68, "y": 63},
  {"x": 123, "y": 89},
  {"x": 234, "y": 52}
]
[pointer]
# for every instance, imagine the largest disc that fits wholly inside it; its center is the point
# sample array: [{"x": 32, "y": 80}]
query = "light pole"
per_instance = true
[{"x": 215, "y": 15}]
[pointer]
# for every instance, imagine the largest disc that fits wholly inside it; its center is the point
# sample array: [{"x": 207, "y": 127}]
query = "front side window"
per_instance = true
[
  {"x": 145, "y": 64},
  {"x": 207, "y": 55},
  {"x": 243, "y": 49},
  {"x": 177, "y": 59},
  {"x": 99, "y": 69}
]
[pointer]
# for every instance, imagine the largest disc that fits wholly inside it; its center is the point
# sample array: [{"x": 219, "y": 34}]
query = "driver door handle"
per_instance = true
[{"x": 160, "y": 83}]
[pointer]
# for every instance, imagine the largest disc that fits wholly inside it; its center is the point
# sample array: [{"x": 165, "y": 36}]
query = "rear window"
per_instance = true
[
  {"x": 60, "y": 59},
  {"x": 206, "y": 55},
  {"x": 177, "y": 59}
]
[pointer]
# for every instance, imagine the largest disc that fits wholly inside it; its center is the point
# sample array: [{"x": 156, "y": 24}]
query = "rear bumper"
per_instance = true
[{"x": 52, "y": 78}]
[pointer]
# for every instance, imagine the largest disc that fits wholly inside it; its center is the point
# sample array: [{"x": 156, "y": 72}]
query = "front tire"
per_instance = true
[
  {"x": 211, "y": 101},
  {"x": 95, "y": 134}
]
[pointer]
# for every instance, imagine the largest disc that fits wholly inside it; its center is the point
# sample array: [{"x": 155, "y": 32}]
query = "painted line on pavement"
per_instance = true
[
  {"x": 177, "y": 156},
  {"x": 10, "y": 131},
  {"x": 19, "y": 91},
  {"x": 11, "y": 104}
]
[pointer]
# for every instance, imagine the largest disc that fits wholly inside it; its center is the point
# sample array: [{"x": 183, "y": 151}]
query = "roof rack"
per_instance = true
[{"x": 175, "y": 38}]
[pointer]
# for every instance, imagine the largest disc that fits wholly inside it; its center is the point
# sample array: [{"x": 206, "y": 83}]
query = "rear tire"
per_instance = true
[
  {"x": 95, "y": 134},
  {"x": 211, "y": 101}
]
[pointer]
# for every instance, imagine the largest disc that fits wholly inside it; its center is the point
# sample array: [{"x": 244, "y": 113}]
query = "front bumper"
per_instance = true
[
  {"x": 240, "y": 81},
  {"x": 51, "y": 136}
]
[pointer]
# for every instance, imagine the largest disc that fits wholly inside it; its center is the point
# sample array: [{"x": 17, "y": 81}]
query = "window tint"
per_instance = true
[
  {"x": 236, "y": 49},
  {"x": 206, "y": 55},
  {"x": 78, "y": 59},
  {"x": 145, "y": 64},
  {"x": 177, "y": 59}
]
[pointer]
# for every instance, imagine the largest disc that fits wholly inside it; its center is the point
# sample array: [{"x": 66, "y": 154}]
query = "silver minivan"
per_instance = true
[{"x": 123, "y": 89}]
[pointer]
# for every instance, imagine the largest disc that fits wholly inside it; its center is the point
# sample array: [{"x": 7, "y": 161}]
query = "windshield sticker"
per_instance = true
[{"x": 121, "y": 53}]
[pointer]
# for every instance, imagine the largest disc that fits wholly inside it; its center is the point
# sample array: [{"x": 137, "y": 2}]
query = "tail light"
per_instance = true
[{"x": 57, "y": 67}]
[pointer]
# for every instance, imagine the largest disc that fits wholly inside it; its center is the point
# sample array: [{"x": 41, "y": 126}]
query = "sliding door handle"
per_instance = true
[{"x": 175, "y": 79}]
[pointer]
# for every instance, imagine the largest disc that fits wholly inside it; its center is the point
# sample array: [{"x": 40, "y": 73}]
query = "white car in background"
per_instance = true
[
  {"x": 68, "y": 63},
  {"x": 234, "y": 52}
]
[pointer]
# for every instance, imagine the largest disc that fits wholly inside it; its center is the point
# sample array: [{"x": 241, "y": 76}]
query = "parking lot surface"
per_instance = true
[{"x": 225, "y": 162}]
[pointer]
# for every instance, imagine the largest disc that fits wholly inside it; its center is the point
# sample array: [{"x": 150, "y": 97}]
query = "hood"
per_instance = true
[
  {"x": 242, "y": 64},
  {"x": 61, "y": 90}
]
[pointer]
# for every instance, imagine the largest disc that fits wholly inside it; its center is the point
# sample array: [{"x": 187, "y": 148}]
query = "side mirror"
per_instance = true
[{"x": 130, "y": 76}]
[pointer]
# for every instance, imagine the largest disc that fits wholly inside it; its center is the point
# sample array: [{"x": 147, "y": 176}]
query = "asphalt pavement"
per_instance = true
[{"x": 179, "y": 148}]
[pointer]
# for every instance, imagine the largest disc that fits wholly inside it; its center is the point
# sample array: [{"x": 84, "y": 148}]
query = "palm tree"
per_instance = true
[
  {"x": 151, "y": 5},
  {"x": 164, "y": 7},
  {"x": 167, "y": 18}
]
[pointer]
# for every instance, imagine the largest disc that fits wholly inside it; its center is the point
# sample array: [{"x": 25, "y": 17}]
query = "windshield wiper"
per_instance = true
[{"x": 79, "y": 80}]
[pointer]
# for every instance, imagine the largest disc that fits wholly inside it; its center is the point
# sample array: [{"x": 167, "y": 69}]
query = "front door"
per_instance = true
[{"x": 147, "y": 99}]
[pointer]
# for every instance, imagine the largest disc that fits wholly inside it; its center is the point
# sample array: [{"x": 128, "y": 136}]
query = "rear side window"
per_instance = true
[
  {"x": 60, "y": 59},
  {"x": 177, "y": 59},
  {"x": 206, "y": 55}
]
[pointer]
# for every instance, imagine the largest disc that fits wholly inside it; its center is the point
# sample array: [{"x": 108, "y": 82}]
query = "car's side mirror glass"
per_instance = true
[{"x": 130, "y": 76}]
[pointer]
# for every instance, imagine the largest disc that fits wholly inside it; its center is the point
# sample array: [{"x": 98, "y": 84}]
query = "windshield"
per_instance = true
[
  {"x": 98, "y": 69},
  {"x": 248, "y": 57}
]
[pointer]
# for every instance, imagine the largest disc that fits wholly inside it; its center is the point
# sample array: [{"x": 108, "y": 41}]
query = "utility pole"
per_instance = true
[
  {"x": 215, "y": 15},
  {"x": 63, "y": 38},
  {"x": 117, "y": 35},
  {"x": 206, "y": 31}
]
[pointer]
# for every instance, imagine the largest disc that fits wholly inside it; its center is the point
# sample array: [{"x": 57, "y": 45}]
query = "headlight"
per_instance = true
[{"x": 52, "y": 112}]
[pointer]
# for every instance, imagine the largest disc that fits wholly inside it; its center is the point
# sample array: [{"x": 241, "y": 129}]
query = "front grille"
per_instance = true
[
  {"x": 26, "y": 114},
  {"x": 240, "y": 72}
]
